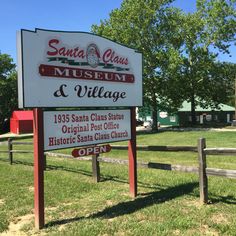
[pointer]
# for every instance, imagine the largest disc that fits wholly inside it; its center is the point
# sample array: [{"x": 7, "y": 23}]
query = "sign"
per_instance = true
[
  {"x": 94, "y": 150},
  {"x": 65, "y": 129},
  {"x": 163, "y": 114},
  {"x": 75, "y": 69}
]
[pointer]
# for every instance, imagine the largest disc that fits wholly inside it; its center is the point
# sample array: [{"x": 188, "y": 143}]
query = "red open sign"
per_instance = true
[{"x": 94, "y": 150}]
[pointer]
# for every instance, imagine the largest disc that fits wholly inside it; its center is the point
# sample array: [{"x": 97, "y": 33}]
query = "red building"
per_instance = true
[{"x": 21, "y": 122}]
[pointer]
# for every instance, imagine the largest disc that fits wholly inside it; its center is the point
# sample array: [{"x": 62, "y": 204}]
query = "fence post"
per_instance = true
[
  {"x": 10, "y": 153},
  {"x": 96, "y": 168},
  {"x": 203, "y": 182}
]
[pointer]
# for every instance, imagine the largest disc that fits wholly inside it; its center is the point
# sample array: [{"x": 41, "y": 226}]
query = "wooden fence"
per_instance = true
[
  {"x": 11, "y": 151},
  {"x": 201, "y": 149},
  {"x": 204, "y": 171}
]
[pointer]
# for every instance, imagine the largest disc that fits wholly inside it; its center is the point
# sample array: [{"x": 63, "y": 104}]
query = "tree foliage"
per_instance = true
[
  {"x": 8, "y": 88},
  {"x": 228, "y": 74},
  {"x": 180, "y": 50},
  {"x": 149, "y": 26},
  {"x": 206, "y": 32}
]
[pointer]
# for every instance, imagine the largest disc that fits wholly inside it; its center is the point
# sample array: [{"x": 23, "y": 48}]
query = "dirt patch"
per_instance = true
[
  {"x": 220, "y": 219},
  {"x": 61, "y": 228},
  {"x": 109, "y": 203},
  {"x": 2, "y": 201},
  {"x": 203, "y": 230},
  {"x": 55, "y": 208},
  {"x": 31, "y": 189},
  {"x": 68, "y": 203},
  {"x": 51, "y": 208},
  {"x": 193, "y": 203},
  {"x": 206, "y": 230},
  {"x": 176, "y": 232},
  {"x": 16, "y": 226}
]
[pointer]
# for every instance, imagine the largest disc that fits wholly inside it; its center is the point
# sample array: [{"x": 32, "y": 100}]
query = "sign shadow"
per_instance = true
[{"x": 129, "y": 207}]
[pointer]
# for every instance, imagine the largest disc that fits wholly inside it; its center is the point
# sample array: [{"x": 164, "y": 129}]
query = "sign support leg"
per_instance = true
[
  {"x": 133, "y": 155},
  {"x": 96, "y": 168},
  {"x": 39, "y": 164}
]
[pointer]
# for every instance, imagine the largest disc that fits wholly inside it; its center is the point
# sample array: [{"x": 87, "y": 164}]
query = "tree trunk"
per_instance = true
[
  {"x": 154, "y": 114},
  {"x": 154, "y": 118},
  {"x": 193, "y": 112}
]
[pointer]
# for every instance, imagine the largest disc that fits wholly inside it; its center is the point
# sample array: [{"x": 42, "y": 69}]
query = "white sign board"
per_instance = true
[
  {"x": 64, "y": 129},
  {"x": 75, "y": 69}
]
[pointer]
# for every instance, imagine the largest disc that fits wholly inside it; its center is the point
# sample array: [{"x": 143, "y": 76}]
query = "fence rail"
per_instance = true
[
  {"x": 221, "y": 172},
  {"x": 159, "y": 148},
  {"x": 21, "y": 143},
  {"x": 21, "y": 151},
  {"x": 153, "y": 165},
  {"x": 220, "y": 151},
  {"x": 201, "y": 169}
]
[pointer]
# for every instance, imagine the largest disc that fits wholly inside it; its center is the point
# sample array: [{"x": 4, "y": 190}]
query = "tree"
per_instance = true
[
  {"x": 149, "y": 26},
  {"x": 180, "y": 50},
  {"x": 207, "y": 32},
  {"x": 8, "y": 87},
  {"x": 227, "y": 72}
]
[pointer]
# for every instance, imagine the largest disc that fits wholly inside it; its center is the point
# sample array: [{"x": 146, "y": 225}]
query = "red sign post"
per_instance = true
[
  {"x": 133, "y": 156},
  {"x": 39, "y": 163}
]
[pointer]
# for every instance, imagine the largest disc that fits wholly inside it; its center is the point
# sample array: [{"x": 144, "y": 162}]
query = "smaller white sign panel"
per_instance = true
[{"x": 65, "y": 129}]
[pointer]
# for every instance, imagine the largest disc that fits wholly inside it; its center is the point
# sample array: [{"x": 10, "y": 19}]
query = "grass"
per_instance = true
[{"x": 167, "y": 203}]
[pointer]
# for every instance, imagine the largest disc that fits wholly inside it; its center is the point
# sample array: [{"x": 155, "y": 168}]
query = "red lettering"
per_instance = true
[
  {"x": 107, "y": 55},
  {"x": 64, "y": 51},
  {"x": 110, "y": 56},
  {"x": 50, "y": 44},
  {"x": 91, "y": 150}
]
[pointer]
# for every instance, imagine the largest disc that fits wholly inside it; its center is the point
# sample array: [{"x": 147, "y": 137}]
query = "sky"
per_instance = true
[{"x": 71, "y": 15}]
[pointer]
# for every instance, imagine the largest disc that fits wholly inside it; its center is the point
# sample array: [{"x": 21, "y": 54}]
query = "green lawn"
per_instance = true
[{"x": 167, "y": 202}]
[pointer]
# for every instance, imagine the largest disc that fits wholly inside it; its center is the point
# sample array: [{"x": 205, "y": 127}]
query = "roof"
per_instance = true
[
  {"x": 22, "y": 115},
  {"x": 186, "y": 106}
]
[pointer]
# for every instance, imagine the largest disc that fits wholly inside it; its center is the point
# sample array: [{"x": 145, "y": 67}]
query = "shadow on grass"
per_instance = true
[
  {"x": 104, "y": 178},
  {"x": 4, "y": 159},
  {"x": 124, "y": 208},
  {"x": 225, "y": 199},
  {"x": 54, "y": 167}
]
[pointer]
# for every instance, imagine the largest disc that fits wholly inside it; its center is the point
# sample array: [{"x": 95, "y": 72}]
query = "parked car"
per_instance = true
[
  {"x": 139, "y": 122},
  {"x": 147, "y": 124}
]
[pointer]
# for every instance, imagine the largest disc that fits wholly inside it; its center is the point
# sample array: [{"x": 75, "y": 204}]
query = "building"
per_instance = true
[
  {"x": 21, "y": 122},
  {"x": 223, "y": 115},
  {"x": 204, "y": 116}
]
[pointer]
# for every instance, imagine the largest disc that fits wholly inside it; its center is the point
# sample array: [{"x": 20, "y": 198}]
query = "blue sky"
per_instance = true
[{"x": 71, "y": 15}]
